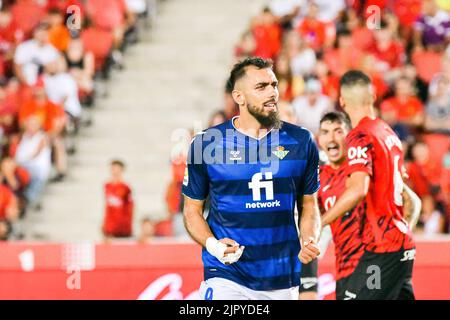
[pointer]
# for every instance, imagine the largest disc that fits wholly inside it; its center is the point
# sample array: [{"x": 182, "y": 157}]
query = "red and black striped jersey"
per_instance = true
[
  {"x": 346, "y": 229},
  {"x": 374, "y": 148}
]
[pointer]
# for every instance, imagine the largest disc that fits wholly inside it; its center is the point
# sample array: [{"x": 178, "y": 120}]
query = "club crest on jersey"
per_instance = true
[
  {"x": 280, "y": 152},
  {"x": 234, "y": 155}
]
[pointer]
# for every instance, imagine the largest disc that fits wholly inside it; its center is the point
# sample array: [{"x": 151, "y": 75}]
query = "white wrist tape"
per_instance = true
[
  {"x": 232, "y": 257},
  {"x": 216, "y": 248}
]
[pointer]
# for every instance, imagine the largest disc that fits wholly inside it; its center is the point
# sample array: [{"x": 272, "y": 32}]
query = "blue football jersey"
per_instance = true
[{"x": 252, "y": 186}]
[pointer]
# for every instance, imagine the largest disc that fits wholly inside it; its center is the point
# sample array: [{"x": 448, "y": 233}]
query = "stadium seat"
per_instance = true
[
  {"x": 428, "y": 63},
  {"x": 100, "y": 43},
  {"x": 27, "y": 14}
]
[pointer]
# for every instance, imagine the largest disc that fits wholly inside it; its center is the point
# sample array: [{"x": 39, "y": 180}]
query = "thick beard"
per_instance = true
[{"x": 270, "y": 121}]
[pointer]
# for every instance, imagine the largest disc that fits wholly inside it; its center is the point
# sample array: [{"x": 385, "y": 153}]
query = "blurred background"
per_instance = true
[{"x": 99, "y": 100}]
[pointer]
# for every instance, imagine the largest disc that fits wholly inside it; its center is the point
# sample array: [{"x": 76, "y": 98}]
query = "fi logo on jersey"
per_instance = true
[{"x": 256, "y": 185}]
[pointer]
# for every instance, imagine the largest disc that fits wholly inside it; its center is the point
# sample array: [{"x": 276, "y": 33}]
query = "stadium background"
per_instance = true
[{"x": 159, "y": 75}]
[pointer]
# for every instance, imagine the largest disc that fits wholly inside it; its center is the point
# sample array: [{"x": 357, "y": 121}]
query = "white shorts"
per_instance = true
[{"x": 224, "y": 289}]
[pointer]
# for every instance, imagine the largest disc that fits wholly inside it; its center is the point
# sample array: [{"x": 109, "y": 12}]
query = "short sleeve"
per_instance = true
[
  {"x": 359, "y": 153},
  {"x": 196, "y": 182},
  {"x": 311, "y": 178}
]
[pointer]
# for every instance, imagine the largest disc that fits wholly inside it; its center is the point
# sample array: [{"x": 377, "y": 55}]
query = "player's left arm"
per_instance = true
[
  {"x": 309, "y": 228},
  {"x": 307, "y": 203},
  {"x": 357, "y": 188}
]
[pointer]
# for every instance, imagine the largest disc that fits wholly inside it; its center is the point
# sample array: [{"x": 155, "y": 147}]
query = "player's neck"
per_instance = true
[
  {"x": 250, "y": 126},
  {"x": 360, "y": 113},
  {"x": 337, "y": 164}
]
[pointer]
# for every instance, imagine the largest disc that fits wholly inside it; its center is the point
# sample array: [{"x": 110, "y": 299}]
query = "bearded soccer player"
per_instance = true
[
  {"x": 375, "y": 162},
  {"x": 254, "y": 168}
]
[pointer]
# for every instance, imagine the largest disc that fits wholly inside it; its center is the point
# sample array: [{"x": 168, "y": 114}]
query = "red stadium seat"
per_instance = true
[
  {"x": 427, "y": 63},
  {"x": 99, "y": 42},
  {"x": 27, "y": 14}
]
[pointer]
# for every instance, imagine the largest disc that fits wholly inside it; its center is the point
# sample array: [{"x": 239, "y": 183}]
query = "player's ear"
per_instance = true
[
  {"x": 238, "y": 97},
  {"x": 342, "y": 102}
]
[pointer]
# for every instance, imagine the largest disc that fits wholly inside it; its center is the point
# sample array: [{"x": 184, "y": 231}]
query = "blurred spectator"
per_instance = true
[
  {"x": 112, "y": 16},
  {"x": 10, "y": 36},
  {"x": 329, "y": 82},
  {"x": 8, "y": 205},
  {"x": 421, "y": 170},
  {"x": 404, "y": 112},
  {"x": 59, "y": 35},
  {"x": 288, "y": 12},
  {"x": 310, "y": 107},
  {"x": 8, "y": 114},
  {"x": 34, "y": 154},
  {"x": 286, "y": 111},
  {"x": 5, "y": 229},
  {"x": 217, "y": 118},
  {"x": 328, "y": 11},
  {"x": 345, "y": 56},
  {"x": 28, "y": 14},
  {"x": 53, "y": 118},
  {"x": 118, "y": 204},
  {"x": 17, "y": 179},
  {"x": 420, "y": 86},
  {"x": 437, "y": 117},
  {"x": 388, "y": 52},
  {"x": 267, "y": 34},
  {"x": 81, "y": 65},
  {"x": 289, "y": 86},
  {"x": 147, "y": 230},
  {"x": 246, "y": 46},
  {"x": 34, "y": 54},
  {"x": 302, "y": 58},
  {"x": 432, "y": 28},
  {"x": 63, "y": 5},
  {"x": 313, "y": 30},
  {"x": 61, "y": 87}
]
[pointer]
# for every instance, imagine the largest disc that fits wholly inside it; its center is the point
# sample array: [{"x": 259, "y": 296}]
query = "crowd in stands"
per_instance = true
[
  {"x": 55, "y": 59},
  {"x": 406, "y": 52}
]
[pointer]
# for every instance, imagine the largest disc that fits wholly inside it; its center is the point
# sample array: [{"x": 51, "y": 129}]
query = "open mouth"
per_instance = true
[
  {"x": 333, "y": 149},
  {"x": 271, "y": 105}
]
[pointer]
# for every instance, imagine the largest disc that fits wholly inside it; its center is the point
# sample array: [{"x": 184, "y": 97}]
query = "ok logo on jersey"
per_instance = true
[
  {"x": 357, "y": 152},
  {"x": 257, "y": 184}
]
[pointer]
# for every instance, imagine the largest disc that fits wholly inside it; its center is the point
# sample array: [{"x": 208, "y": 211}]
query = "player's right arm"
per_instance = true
[
  {"x": 360, "y": 160},
  {"x": 195, "y": 190},
  {"x": 195, "y": 223},
  {"x": 412, "y": 205},
  {"x": 199, "y": 230}
]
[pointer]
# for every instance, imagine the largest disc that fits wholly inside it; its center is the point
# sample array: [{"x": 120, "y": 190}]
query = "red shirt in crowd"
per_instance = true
[
  {"x": 313, "y": 32},
  {"x": 375, "y": 149},
  {"x": 346, "y": 232},
  {"x": 404, "y": 110},
  {"x": 119, "y": 210},
  {"x": 107, "y": 14},
  {"x": 417, "y": 179},
  {"x": 268, "y": 40},
  {"x": 7, "y": 198},
  {"x": 407, "y": 11},
  {"x": 48, "y": 113},
  {"x": 393, "y": 55}
]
